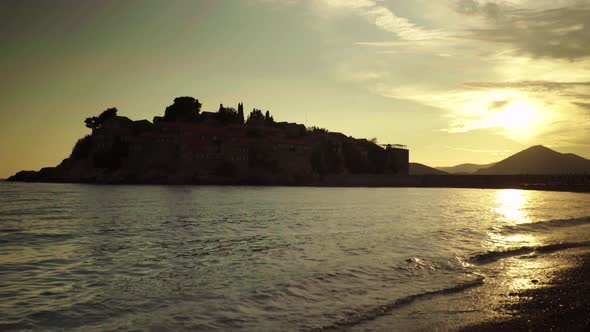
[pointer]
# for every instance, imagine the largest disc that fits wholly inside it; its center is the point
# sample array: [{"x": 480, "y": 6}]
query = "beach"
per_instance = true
[
  {"x": 547, "y": 293},
  {"x": 556, "y": 298}
]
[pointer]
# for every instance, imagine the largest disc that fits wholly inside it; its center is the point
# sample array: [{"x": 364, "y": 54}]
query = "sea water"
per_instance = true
[{"x": 89, "y": 257}]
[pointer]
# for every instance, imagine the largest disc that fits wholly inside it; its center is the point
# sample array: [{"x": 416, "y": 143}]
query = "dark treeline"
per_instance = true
[{"x": 188, "y": 109}]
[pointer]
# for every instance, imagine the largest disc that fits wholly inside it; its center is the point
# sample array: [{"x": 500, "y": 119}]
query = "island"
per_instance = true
[{"x": 188, "y": 146}]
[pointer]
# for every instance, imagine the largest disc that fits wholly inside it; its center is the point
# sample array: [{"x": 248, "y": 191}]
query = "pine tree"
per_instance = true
[{"x": 241, "y": 113}]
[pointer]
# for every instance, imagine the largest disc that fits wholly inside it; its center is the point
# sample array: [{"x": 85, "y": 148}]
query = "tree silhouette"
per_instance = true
[
  {"x": 255, "y": 116},
  {"x": 227, "y": 115},
  {"x": 91, "y": 122},
  {"x": 96, "y": 121},
  {"x": 183, "y": 109},
  {"x": 268, "y": 119},
  {"x": 315, "y": 129},
  {"x": 241, "y": 112}
]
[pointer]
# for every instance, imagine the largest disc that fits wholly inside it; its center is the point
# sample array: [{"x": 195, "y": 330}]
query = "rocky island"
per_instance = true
[{"x": 187, "y": 146}]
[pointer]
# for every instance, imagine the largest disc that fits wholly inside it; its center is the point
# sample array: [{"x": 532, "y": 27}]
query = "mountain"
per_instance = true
[
  {"x": 419, "y": 169},
  {"x": 464, "y": 168},
  {"x": 540, "y": 160}
]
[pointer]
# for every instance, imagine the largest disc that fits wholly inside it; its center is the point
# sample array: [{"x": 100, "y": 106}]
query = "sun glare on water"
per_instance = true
[
  {"x": 511, "y": 210},
  {"x": 511, "y": 206}
]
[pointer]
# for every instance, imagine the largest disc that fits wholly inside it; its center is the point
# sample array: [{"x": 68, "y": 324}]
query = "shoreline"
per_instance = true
[
  {"x": 555, "y": 299},
  {"x": 540, "y": 187},
  {"x": 538, "y": 292}
]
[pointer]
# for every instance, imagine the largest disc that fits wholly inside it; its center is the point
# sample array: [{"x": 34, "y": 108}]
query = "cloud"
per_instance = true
[
  {"x": 576, "y": 93},
  {"x": 569, "y": 133},
  {"x": 489, "y": 10},
  {"x": 400, "y": 43},
  {"x": 555, "y": 32},
  {"x": 538, "y": 86},
  {"x": 377, "y": 12},
  {"x": 467, "y": 7},
  {"x": 383, "y": 17},
  {"x": 503, "y": 43},
  {"x": 389, "y": 21},
  {"x": 348, "y": 73},
  {"x": 523, "y": 111},
  {"x": 585, "y": 106},
  {"x": 498, "y": 104}
]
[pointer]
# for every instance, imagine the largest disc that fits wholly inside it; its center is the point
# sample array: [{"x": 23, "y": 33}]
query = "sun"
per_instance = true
[
  {"x": 516, "y": 115},
  {"x": 518, "y": 119}
]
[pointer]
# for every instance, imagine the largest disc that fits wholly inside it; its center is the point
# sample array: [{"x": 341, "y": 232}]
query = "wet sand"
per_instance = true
[
  {"x": 533, "y": 292},
  {"x": 558, "y": 301}
]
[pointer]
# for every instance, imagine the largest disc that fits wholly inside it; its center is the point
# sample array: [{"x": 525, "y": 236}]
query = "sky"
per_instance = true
[{"x": 455, "y": 80}]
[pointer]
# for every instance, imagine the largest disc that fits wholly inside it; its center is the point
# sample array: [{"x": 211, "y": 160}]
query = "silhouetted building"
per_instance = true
[{"x": 398, "y": 158}]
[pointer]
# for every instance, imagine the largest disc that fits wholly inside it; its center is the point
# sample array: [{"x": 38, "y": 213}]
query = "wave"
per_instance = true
[
  {"x": 488, "y": 257},
  {"x": 18, "y": 237},
  {"x": 493, "y": 256},
  {"x": 382, "y": 310},
  {"x": 549, "y": 224}
]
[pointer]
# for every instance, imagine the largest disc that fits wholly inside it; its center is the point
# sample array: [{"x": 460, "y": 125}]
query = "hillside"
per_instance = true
[
  {"x": 420, "y": 169},
  {"x": 464, "y": 168},
  {"x": 540, "y": 160}
]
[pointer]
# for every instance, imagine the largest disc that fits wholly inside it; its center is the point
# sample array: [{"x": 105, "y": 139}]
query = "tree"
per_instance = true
[
  {"x": 96, "y": 121},
  {"x": 315, "y": 129},
  {"x": 91, "y": 122},
  {"x": 241, "y": 113},
  {"x": 268, "y": 119},
  {"x": 183, "y": 109},
  {"x": 227, "y": 115},
  {"x": 373, "y": 140},
  {"x": 255, "y": 116},
  {"x": 107, "y": 114}
]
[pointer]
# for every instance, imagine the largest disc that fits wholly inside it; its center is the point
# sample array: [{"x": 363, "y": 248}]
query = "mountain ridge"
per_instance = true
[
  {"x": 539, "y": 159},
  {"x": 466, "y": 168},
  {"x": 421, "y": 169}
]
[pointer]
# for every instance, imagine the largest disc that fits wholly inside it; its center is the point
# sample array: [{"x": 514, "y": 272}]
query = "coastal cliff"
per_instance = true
[{"x": 193, "y": 147}]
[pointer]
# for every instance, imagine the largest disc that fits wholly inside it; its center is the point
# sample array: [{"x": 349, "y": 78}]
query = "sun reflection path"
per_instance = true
[
  {"x": 511, "y": 205},
  {"x": 518, "y": 270},
  {"x": 511, "y": 210}
]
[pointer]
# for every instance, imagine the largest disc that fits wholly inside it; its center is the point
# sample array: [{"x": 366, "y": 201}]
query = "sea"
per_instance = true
[{"x": 202, "y": 258}]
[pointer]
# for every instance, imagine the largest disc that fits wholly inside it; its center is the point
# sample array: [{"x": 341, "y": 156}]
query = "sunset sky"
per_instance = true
[{"x": 455, "y": 80}]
